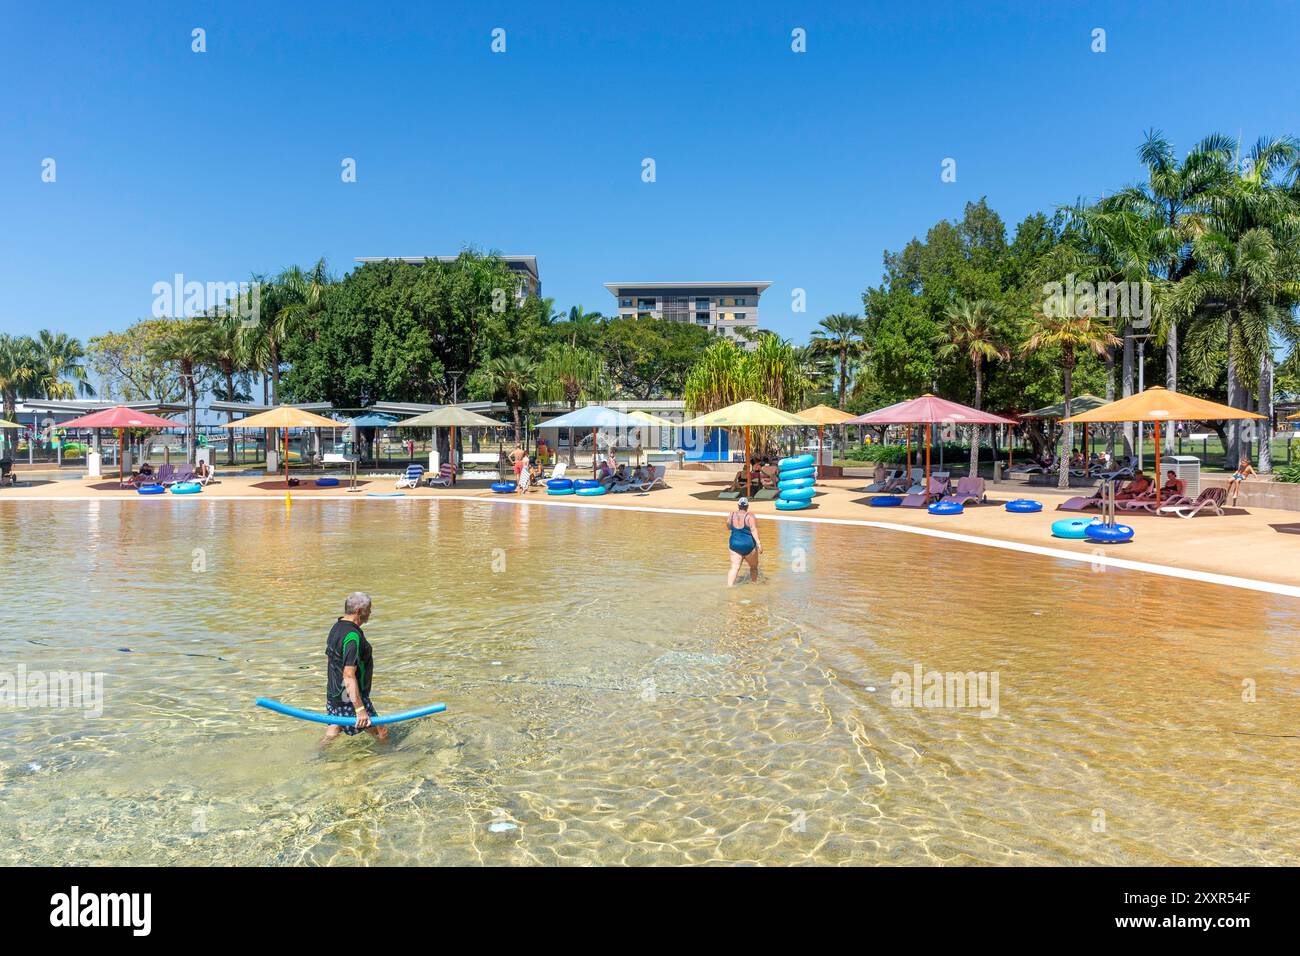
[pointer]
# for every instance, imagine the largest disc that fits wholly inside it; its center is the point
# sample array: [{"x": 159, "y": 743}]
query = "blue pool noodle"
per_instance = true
[{"x": 298, "y": 712}]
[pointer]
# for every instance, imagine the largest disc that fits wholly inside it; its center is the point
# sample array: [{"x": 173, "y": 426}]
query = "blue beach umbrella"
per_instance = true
[{"x": 595, "y": 417}]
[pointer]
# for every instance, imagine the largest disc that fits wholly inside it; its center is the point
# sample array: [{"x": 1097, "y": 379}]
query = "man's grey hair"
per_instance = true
[{"x": 356, "y": 602}]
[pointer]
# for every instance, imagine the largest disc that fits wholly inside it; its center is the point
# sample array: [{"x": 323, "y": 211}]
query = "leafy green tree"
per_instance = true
[
  {"x": 60, "y": 366},
  {"x": 648, "y": 358},
  {"x": 840, "y": 335},
  {"x": 972, "y": 334},
  {"x": 569, "y": 373},
  {"x": 18, "y": 370}
]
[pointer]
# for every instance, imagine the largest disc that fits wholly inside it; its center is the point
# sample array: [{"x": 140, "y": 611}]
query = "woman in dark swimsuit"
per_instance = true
[{"x": 742, "y": 541}]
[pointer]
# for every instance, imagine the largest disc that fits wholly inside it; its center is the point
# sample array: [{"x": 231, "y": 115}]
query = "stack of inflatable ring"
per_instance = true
[
  {"x": 186, "y": 488},
  {"x": 588, "y": 488},
  {"x": 559, "y": 486},
  {"x": 504, "y": 487},
  {"x": 1024, "y": 506},
  {"x": 794, "y": 483},
  {"x": 1108, "y": 533},
  {"x": 150, "y": 490}
]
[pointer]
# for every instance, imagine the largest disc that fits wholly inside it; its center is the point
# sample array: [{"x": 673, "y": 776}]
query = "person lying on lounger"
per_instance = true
[{"x": 1139, "y": 486}]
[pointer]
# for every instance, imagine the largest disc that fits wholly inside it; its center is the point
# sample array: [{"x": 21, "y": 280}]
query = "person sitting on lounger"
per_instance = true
[
  {"x": 146, "y": 470},
  {"x": 202, "y": 471},
  {"x": 768, "y": 473},
  {"x": 1173, "y": 486},
  {"x": 738, "y": 483},
  {"x": 1139, "y": 486},
  {"x": 1244, "y": 471}
]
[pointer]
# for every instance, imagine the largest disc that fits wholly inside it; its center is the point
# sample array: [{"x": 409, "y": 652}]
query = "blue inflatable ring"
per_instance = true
[
  {"x": 796, "y": 494},
  {"x": 150, "y": 490},
  {"x": 558, "y": 483},
  {"x": 789, "y": 474},
  {"x": 946, "y": 508},
  {"x": 795, "y": 483},
  {"x": 798, "y": 461},
  {"x": 186, "y": 488},
  {"x": 1024, "y": 506},
  {"x": 327, "y": 482},
  {"x": 559, "y": 491},
  {"x": 1075, "y": 528},
  {"x": 591, "y": 492},
  {"x": 885, "y": 501},
  {"x": 586, "y": 483},
  {"x": 504, "y": 487},
  {"x": 782, "y": 505},
  {"x": 1108, "y": 535}
]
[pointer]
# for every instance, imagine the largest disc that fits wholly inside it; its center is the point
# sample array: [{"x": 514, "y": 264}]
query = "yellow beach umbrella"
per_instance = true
[
  {"x": 824, "y": 415},
  {"x": 5, "y": 424},
  {"x": 654, "y": 421},
  {"x": 284, "y": 417},
  {"x": 1158, "y": 405},
  {"x": 745, "y": 415}
]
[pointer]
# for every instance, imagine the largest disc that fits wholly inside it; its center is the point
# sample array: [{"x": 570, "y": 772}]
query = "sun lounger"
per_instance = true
[
  {"x": 412, "y": 477},
  {"x": 166, "y": 475},
  {"x": 446, "y": 472},
  {"x": 1083, "y": 502},
  {"x": 1123, "y": 471},
  {"x": 184, "y": 473},
  {"x": 655, "y": 481},
  {"x": 891, "y": 476},
  {"x": 921, "y": 500},
  {"x": 969, "y": 489},
  {"x": 1212, "y": 498}
]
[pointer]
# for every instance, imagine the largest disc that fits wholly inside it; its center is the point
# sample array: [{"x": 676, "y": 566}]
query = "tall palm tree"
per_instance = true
[
  {"x": 289, "y": 305},
  {"x": 514, "y": 377},
  {"x": 18, "y": 370},
  {"x": 1246, "y": 278},
  {"x": 841, "y": 335},
  {"x": 189, "y": 348},
  {"x": 229, "y": 353},
  {"x": 1175, "y": 200},
  {"x": 570, "y": 373},
  {"x": 1072, "y": 335},
  {"x": 971, "y": 331},
  {"x": 60, "y": 366}
]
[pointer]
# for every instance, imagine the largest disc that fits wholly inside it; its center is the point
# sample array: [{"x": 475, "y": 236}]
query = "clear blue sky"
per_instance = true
[{"x": 796, "y": 168}]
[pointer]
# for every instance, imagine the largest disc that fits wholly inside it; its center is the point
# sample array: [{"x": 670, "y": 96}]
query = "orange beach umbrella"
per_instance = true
[{"x": 1158, "y": 405}]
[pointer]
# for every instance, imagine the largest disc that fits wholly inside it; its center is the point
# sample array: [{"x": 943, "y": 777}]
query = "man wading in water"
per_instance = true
[{"x": 351, "y": 665}]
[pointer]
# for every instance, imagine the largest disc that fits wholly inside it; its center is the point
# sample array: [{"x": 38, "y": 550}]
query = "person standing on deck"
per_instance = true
[{"x": 350, "y": 667}]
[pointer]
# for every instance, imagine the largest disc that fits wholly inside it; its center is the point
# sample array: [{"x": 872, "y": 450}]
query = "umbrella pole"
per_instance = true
[
  {"x": 819, "y": 450},
  {"x": 1157, "y": 466},
  {"x": 748, "y": 470},
  {"x": 451, "y": 453},
  {"x": 927, "y": 459},
  {"x": 594, "y": 453},
  {"x": 286, "y": 470}
]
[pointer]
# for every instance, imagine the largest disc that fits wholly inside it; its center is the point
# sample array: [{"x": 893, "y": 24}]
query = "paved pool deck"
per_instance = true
[{"x": 1256, "y": 548}]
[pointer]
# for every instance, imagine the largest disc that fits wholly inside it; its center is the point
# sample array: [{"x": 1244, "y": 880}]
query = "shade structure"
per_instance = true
[
  {"x": 824, "y": 415},
  {"x": 1078, "y": 405},
  {"x": 371, "y": 420},
  {"x": 595, "y": 417},
  {"x": 449, "y": 416},
  {"x": 747, "y": 414},
  {"x": 1159, "y": 405},
  {"x": 452, "y": 417},
  {"x": 1292, "y": 418},
  {"x": 119, "y": 416},
  {"x": 5, "y": 424},
  {"x": 285, "y": 417},
  {"x": 645, "y": 418},
  {"x": 928, "y": 410}
]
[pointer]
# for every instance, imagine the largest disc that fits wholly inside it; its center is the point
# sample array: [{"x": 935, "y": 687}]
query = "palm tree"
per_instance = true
[
  {"x": 515, "y": 378},
  {"x": 18, "y": 370},
  {"x": 971, "y": 332},
  {"x": 289, "y": 305},
  {"x": 60, "y": 366},
  {"x": 229, "y": 352},
  {"x": 717, "y": 380},
  {"x": 840, "y": 335},
  {"x": 1072, "y": 335},
  {"x": 189, "y": 347},
  {"x": 1246, "y": 279},
  {"x": 569, "y": 373},
  {"x": 1175, "y": 200}
]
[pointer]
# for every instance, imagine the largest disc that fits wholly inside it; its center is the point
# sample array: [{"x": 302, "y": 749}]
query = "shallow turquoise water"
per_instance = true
[{"x": 608, "y": 701}]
